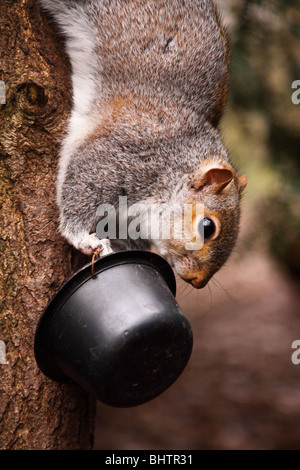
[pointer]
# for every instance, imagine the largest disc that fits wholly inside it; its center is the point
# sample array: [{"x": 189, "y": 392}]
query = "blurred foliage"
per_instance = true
[{"x": 262, "y": 125}]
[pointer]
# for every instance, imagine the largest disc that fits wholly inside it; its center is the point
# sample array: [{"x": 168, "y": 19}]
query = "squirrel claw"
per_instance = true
[
  {"x": 104, "y": 249},
  {"x": 91, "y": 244},
  {"x": 97, "y": 251}
]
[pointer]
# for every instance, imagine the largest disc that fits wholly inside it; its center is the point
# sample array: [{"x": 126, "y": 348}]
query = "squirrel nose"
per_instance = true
[{"x": 198, "y": 283}]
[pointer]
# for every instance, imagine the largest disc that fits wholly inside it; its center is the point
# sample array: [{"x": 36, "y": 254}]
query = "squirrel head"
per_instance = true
[{"x": 212, "y": 195}]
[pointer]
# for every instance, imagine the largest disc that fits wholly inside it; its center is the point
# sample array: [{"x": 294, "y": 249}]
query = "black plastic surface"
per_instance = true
[{"x": 121, "y": 336}]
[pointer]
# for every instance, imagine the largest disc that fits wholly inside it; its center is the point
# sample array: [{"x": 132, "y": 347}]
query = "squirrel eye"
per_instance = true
[{"x": 206, "y": 228}]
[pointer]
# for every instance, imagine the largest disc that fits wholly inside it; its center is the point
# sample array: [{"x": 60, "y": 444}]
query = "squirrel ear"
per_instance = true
[
  {"x": 242, "y": 183},
  {"x": 218, "y": 177}
]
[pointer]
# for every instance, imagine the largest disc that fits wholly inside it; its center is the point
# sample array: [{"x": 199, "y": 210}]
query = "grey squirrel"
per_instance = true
[{"x": 149, "y": 88}]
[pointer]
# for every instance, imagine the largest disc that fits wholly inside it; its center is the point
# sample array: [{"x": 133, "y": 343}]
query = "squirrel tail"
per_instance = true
[{"x": 76, "y": 21}]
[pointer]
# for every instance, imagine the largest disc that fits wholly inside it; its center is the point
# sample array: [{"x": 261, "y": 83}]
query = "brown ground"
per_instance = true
[{"x": 240, "y": 389}]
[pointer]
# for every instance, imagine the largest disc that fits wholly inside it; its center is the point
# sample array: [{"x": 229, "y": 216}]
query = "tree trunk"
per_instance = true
[{"x": 35, "y": 412}]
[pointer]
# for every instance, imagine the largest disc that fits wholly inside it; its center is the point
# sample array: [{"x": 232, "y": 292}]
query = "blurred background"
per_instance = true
[{"x": 240, "y": 389}]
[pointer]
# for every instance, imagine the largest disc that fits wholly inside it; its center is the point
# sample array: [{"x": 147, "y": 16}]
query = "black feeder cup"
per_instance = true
[{"x": 121, "y": 335}]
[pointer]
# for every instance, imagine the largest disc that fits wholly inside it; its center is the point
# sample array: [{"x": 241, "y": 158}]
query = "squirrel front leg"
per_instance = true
[
  {"x": 89, "y": 243},
  {"x": 84, "y": 241},
  {"x": 78, "y": 204}
]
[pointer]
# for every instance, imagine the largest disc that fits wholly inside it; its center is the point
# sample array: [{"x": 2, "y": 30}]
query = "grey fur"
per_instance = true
[{"x": 157, "y": 71}]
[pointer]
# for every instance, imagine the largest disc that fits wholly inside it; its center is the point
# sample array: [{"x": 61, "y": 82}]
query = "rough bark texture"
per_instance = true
[{"x": 35, "y": 412}]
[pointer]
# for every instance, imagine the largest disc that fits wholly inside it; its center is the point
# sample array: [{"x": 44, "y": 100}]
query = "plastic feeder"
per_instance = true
[{"x": 120, "y": 336}]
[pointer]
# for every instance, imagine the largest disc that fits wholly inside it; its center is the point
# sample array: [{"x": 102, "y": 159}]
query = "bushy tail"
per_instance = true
[
  {"x": 76, "y": 21},
  {"x": 75, "y": 18}
]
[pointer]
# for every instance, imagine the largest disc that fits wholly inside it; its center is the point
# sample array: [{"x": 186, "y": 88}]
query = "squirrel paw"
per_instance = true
[{"x": 91, "y": 243}]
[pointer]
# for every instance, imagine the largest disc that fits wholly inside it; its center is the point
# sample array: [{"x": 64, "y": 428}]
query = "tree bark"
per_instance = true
[{"x": 35, "y": 412}]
